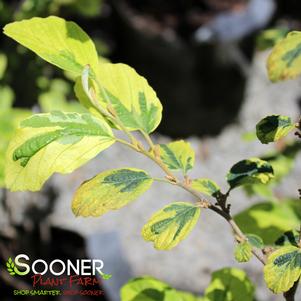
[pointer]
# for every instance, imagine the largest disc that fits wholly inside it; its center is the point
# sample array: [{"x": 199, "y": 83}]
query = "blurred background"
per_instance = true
[{"x": 206, "y": 61}]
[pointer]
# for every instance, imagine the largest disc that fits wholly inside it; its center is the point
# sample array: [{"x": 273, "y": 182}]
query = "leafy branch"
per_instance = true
[
  {"x": 220, "y": 207},
  {"x": 118, "y": 98}
]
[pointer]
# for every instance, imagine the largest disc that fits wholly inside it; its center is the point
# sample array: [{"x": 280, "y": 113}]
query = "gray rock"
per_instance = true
[{"x": 229, "y": 26}]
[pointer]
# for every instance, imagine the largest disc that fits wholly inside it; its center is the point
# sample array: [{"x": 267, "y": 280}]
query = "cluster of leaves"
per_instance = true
[
  {"x": 270, "y": 220},
  {"x": 283, "y": 269},
  {"x": 116, "y": 98},
  {"x": 228, "y": 284},
  {"x": 270, "y": 37}
]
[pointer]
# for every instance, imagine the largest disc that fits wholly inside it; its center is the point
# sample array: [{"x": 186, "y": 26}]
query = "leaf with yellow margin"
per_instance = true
[
  {"x": 169, "y": 226},
  {"x": 59, "y": 42},
  {"x": 243, "y": 252},
  {"x": 53, "y": 142},
  {"x": 206, "y": 186},
  {"x": 283, "y": 269},
  {"x": 273, "y": 127},
  {"x": 250, "y": 171},
  {"x": 285, "y": 60},
  {"x": 110, "y": 190},
  {"x": 121, "y": 88},
  {"x": 177, "y": 155},
  {"x": 229, "y": 284}
]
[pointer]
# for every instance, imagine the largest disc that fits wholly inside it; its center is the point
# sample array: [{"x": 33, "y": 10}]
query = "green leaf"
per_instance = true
[
  {"x": 167, "y": 227},
  {"x": 273, "y": 128},
  {"x": 132, "y": 98},
  {"x": 53, "y": 142},
  {"x": 177, "y": 155},
  {"x": 110, "y": 190},
  {"x": 283, "y": 269},
  {"x": 56, "y": 98},
  {"x": 250, "y": 171},
  {"x": 249, "y": 136},
  {"x": 282, "y": 163},
  {"x": 285, "y": 60},
  {"x": 148, "y": 289},
  {"x": 6, "y": 98},
  {"x": 88, "y": 8},
  {"x": 3, "y": 64},
  {"x": 262, "y": 190},
  {"x": 243, "y": 252},
  {"x": 230, "y": 284},
  {"x": 59, "y": 42},
  {"x": 270, "y": 37},
  {"x": 206, "y": 186},
  {"x": 9, "y": 121},
  {"x": 289, "y": 238},
  {"x": 185, "y": 296},
  {"x": 270, "y": 220},
  {"x": 255, "y": 241}
]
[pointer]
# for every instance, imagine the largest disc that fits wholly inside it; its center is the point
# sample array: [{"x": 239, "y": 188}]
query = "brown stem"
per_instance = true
[
  {"x": 237, "y": 231},
  {"x": 299, "y": 239},
  {"x": 222, "y": 201},
  {"x": 290, "y": 295},
  {"x": 223, "y": 211}
]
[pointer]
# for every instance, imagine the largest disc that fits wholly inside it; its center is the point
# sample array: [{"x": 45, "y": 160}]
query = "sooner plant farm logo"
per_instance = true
[{"x": 72, "y": 274}]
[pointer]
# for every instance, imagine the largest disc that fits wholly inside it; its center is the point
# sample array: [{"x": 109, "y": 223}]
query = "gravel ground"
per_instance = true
[{"x": 116, "y": 236}]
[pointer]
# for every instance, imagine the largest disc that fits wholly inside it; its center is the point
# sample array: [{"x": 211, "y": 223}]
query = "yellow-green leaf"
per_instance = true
[
  {"x": 3, "y": 64},
  {"x": 230, "y": 284},
  {"x": 129, "y": 94},
  {"x": 270, "y": 37},
  {"x": 243, "y": 252},
  {"x": 177, "y": 155},
  {"x": 6, "y": 98},
  {"x": 110, "y": 190},
  {"x": 283, "y": 268},
  {"x": 273, "y": 128},
  {"x": 270, "y": 220},
  {"x": 56, "y": 98},
  {"x": 54, "y": 142},
  {"x": 59, "y": 42},
  {"x": 250, "y": 171},
  {"x": 148, "y": 289},
  {"x": 167, "y": 227},
  {"x": 185, "y": 296},
  {"x": 285, "y": 60},
  {"x": 206, "y": 186},
  {"x": 255, "y": 241},
  {"x": 9, "y": 122}
]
